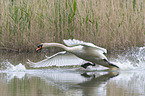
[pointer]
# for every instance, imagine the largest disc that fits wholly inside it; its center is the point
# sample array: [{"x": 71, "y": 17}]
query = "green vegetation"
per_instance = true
[{"x": 113, "y": 24}]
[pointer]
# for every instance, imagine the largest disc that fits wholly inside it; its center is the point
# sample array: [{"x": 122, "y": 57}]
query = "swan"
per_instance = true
[{"x": 84, "y": 50}]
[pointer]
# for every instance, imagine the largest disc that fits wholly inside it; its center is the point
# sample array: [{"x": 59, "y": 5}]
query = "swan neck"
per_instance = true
[{"x": 55, "y": 45}]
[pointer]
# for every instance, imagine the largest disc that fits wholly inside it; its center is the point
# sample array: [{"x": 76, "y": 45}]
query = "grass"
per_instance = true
[{"x": 112, "y": 24}]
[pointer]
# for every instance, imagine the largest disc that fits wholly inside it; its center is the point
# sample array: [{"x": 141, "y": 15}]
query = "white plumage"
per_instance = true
[
  {"x": 81, "y": 52},
  {"x": 74, "y": 42},
  {"x": 59, "y": 59}
]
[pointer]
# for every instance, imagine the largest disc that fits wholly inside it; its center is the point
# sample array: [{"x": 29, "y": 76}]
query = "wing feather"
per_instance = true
[
  {"x": 58, "y": 59},
  {"x": 74, "y": 42}
]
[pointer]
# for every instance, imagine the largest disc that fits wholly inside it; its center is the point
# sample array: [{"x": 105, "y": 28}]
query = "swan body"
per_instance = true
[{"x": 84, "y": 50}]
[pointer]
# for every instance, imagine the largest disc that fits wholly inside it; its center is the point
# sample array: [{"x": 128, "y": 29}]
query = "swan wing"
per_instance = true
[
  {"x": 74, "y": 42},
  {"x": 58, "y": 59}
]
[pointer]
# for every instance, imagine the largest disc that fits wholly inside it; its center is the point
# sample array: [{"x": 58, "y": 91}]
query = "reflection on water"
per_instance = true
[
  {"x": 57, "y": 81},
  {"x": 66, "y": 82},
  {"x": 17, "y": 79}
]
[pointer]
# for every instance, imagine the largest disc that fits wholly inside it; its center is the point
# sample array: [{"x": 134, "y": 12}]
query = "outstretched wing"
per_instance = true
[
  {"x": 58, "y": 59},
  {"x": 74, "y": 42}
]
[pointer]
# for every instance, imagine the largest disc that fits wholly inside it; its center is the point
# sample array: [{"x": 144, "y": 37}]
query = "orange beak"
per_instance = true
[{"x": 38, "y": 48}]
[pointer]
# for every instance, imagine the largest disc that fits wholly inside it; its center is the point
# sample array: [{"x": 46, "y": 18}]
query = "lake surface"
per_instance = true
[{"x": 17, "y": 78}]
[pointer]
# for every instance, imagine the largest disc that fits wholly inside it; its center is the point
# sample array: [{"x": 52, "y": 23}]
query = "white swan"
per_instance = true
[{"x": 84, "y": 50}]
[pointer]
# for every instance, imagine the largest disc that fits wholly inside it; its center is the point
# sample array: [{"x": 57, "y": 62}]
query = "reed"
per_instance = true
[{"x": 111, "y": 24}]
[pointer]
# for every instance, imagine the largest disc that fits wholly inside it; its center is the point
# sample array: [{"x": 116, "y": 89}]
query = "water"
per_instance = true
[{"x": 17, "y": 78}]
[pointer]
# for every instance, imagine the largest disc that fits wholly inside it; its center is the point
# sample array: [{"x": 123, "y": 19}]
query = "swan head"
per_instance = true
[{"x": 39, "y": 48}]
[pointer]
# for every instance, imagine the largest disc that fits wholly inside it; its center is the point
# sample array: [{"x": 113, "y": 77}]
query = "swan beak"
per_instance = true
[{"x": 39, "y": 48}]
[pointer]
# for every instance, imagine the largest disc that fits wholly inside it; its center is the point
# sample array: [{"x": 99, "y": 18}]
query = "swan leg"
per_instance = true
[{"x": 87, "y": 64}]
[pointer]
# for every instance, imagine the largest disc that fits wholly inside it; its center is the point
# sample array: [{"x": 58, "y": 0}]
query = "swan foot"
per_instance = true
[{"x": 87, "y": 64}]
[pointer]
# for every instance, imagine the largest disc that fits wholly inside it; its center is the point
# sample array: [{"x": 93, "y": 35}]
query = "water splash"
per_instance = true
[
  {"x": 12, "y": 71},
  {"x": 7, "y": 66},
  {"x": 131, "y": 60}
]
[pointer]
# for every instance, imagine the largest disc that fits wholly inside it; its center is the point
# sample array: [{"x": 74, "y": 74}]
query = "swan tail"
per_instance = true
[{"x": 111, "y": 63}]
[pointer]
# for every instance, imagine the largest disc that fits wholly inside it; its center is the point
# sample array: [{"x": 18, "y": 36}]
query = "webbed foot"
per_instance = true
[{"x": 87, "y": 64}]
